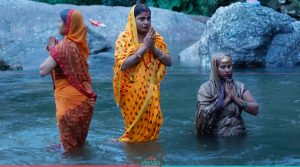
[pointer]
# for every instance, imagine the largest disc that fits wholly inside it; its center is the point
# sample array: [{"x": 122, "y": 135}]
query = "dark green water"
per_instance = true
[{"x": 28, "y": 124}]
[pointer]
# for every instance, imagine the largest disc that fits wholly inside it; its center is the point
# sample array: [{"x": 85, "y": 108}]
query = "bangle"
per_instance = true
[
  {"x": 49, "y": 47},
  {"x": 138, "y": 55},
  {"x": 244, "y": 104},
  {"x": 161, "y": 54}
]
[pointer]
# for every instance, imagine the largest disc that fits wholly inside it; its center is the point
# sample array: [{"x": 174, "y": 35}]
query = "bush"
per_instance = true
[
  {"x": 196, "y": 7},
  {"x": 200, "y": 7},
  {"x": 119, "y": 2},
  {"x": 92, "y": 2},
  {"x": 75, "y": 2}
]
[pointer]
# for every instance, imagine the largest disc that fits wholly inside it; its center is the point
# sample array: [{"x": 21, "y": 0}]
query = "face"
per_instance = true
[
  {"x": 225, "y": 70},
  {"x": 143, "y": 22},
  {"x": 61, "y": 27}
]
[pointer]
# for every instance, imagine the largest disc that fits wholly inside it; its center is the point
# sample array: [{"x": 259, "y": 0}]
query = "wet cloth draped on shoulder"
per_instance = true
[
  {"x": 228, "y": 120},
  {"x": 206, "y": 105}
]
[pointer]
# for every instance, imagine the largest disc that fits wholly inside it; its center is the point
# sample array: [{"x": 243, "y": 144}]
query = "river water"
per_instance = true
[{"x": 28, "y": 125}]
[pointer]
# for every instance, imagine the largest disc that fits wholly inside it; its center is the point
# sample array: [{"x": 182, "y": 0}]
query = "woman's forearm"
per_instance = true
[
  {"x": 134, "y": 58},
  {"x": 226, "y": 101},
  {"x": 163, "y": 58},
  {"x": 250, "y": 107},
  {"x": 47, "y": 66}
]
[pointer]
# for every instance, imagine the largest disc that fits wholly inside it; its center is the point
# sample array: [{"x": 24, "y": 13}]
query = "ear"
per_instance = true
[{"x": 217, "y": 66}]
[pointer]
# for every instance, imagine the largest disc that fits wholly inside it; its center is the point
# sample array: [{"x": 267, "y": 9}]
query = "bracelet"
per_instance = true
[
  {"x": 49, "y": 47},
  {"x": 138, "y": 55},
  {"x": 244, "y": 104},
  {"x": 161, "y": 54}
]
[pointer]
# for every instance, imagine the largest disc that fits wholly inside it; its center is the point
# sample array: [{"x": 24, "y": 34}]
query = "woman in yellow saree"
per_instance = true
[
  {"x": 68, "y": 66},
  {"x": 141, "y": 57}
]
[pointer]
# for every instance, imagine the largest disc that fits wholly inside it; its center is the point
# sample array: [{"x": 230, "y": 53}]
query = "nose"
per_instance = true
[
  {"x": 146, "y": 22},
  {"x": 227, "y": 69}
]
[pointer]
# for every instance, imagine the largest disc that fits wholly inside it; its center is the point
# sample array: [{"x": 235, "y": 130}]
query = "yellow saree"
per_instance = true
[{"x": 136, "y": 89}]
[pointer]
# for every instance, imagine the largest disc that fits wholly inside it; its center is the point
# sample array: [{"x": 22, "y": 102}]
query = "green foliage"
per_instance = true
[
  {"x": 264, "y": 2},
  {"x": 75, "y": 2},
  {"x": 118, "y": 2},
  {"x": 197, "y": 7},
  {"x": 206, "y": 7},
  {"x": 92, "y": 2},
  {"x": 296, "y": 5},
  {"x": 202, "y": 7}
]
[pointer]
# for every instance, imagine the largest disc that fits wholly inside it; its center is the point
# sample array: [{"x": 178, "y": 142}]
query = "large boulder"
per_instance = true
[
  {"x": 256, "y": 36},
  {"x": 284, "y": 51},
  {"x": 190, "y": 55},
  {"x": 26, "y": 25}
]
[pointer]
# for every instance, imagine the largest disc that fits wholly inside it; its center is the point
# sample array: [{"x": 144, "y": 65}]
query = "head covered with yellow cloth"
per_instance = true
[
  {"x": 128, "y": 43},
  {"x": 136, "y": 89}
]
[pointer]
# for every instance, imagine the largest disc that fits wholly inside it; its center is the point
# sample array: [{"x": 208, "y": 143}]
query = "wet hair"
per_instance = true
[
  {"x": 139, "y": 8},
  {"x": 64, "y": 15},
  {"x": 219, "y": 55}
]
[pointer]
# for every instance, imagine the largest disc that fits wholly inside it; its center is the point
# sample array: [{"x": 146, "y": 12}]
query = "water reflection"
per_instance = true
[
  {"x": 140, "y": 152},
  {"x": 83, "y": 153},
  {"x": 214, "y": 143},
  {"x": 28, "y": 123}
]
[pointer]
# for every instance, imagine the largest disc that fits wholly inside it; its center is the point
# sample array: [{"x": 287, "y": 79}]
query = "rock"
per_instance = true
[
  {"x": 9, "y": 60},
  {"x": 202, "y": 19},
  {"x": 186, "y": 56},
  {"x": 296, "y": 26},
  {"x": 26, "y": 25},
  {"x": 96, "y": 43},
  {"x": 4, "y": 66},
  {"x": 174, "y": 26},
  {"x": 25, "y": 37},
  {"x": 253, "y": 35},
  {"x": 284, "y": 50}
]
